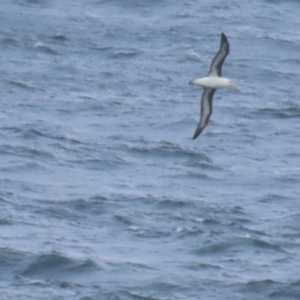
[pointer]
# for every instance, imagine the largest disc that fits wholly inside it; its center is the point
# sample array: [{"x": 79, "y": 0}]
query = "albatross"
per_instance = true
[{"x": 211, "y": 83}]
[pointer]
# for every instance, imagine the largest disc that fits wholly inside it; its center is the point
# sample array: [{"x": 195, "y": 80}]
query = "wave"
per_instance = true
[
  {"x": 59, "y": 37},
  {"x": 25, "y": 151},
  {"x": 272, "y": 289},
  {"x": 167, "y": 149},
  {"x": 280, "y": 113},
  {"x": 21, "y": 84},
  {"x": 45, "y": 49},
  {"x": 55, "y": 266},
  {"x": 238, "y": 244},
  {"x": 9, "y": 41}
]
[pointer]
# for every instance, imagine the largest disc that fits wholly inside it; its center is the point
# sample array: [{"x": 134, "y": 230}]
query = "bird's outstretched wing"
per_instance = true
[
  {"x": 217, "y": 62},
  {"x": 206, "y": 110}
]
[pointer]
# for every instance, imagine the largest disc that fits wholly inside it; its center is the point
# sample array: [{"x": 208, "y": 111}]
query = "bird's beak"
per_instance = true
[
  {"x": 191, "y": 82},
  {"x": 234, "y": 86}
]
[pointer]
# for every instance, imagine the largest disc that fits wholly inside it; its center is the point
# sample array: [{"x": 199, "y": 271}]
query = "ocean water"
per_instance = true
[{"x": 103, "y": 192}]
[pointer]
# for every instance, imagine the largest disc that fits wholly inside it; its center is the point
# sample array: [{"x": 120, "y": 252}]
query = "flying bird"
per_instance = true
[{"x": 211, "y": 83}]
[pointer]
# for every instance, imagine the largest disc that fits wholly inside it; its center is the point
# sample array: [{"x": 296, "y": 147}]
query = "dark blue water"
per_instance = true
[{"x": 103, "y": 192}]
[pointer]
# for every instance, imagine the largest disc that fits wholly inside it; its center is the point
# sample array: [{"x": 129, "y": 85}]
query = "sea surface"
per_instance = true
[{"x": 103, "y": 192}]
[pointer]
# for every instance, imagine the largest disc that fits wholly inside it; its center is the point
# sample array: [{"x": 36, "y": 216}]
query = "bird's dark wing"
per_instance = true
[
  {"x": 206, "y": 110},
  {"x": 217, "y": 62}
]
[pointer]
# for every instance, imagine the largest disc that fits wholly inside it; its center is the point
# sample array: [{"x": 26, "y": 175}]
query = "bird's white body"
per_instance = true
[{"x": 212, "y": 82}]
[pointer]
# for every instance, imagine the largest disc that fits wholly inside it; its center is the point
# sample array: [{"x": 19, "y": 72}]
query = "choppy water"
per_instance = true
[{"x": 104, "y": 194}]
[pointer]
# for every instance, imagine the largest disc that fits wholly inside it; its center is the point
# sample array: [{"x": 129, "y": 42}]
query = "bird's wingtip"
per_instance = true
[
  {"x": 223, "y": 37},
  {"x": 196, "y": 134}
]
